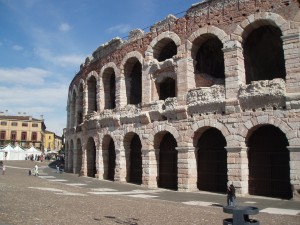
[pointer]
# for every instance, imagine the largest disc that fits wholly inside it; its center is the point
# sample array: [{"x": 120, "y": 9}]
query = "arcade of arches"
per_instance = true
[{"x": 195, "y": 108}]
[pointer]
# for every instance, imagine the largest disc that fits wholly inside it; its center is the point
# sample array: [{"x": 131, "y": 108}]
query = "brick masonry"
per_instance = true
[{"x": 233, "y": 107}]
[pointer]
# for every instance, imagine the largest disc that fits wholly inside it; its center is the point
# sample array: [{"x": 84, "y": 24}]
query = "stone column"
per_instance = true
[
  {"x": 237, "y": 167},
  {"x": 85, "y": 101},
  {"x": 120, "y": 170},
  {"x": 185, "y": 79},
  {"x": 120, "y": 92},
  {"x": 187, "y": 169},
  {"x": 234, "y": 74},
  {"x": 295, "y": 170},
  {"x": 150, "y": 168},
  {"x": 83, "y": 171}
]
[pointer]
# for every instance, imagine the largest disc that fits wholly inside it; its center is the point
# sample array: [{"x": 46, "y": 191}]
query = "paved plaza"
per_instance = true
[{"x": 54, "y": 198}]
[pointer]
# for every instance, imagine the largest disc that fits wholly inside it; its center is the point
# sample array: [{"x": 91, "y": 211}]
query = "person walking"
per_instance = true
[
  {"x": 36, "y": 168},
  {"x": 231, "y": 198},
  {"x": 3, "y": 169}
]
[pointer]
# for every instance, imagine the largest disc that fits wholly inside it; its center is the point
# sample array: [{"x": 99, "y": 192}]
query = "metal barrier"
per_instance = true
[{"x": 240, "y": 215}]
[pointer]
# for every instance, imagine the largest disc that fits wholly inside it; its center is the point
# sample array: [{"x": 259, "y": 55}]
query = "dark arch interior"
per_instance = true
[
  {"x": 167, "y": 52},
  {"x": 79, "y": 157},
  {"x": 263, "y": 53},
  {"x": 110, "y": 90},
  {"x": 210, "y": 58},
  {"x": 136, "y": 84},
  {"x": 167, "y": 89},
  {"x": 80, "y": 104},
  {"x": 136, "y": 170},
  {"x": 111, "y": 161},
  {"x": 269, "y": 170},
  {"x": 91, "y": 158},
  {"x": 212, "y": 162},
  {"x": 168, "y": 163},
  {"x": 92, "y": 95}
]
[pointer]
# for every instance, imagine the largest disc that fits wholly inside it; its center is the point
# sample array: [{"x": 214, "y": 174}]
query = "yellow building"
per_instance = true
[
  {"x": 22, "y": 130},
  {"x": 52, "y": 142}
]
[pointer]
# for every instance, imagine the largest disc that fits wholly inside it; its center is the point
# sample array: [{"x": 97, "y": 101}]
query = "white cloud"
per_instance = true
[
  {"x": 121, "y": 28},
  {"x": 23, "y": 76},
  {"x": 59, "y": 60},
  {"x": 17, "y": 48},
  {"x": 64, "y": 27}
]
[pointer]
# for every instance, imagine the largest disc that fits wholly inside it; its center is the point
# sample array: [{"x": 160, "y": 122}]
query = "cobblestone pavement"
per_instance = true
[{"x": 64, "y": 198}]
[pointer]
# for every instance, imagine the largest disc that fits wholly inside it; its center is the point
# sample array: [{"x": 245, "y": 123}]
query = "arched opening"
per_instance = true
[
  {"x": 164, "y": 49},
  {"x": 168, "y": 172},
  {"x": 263, "y": 54},
  {"x": 133, "y": 81},
  {"x": 92, "y": 94},
  {"x": 91, "y": 158},
  {"x": 71, "y": 157},
  {"x": 109, "y": 84},
  {"x": 111, "y": 160},
  {"x": 73, "y": 109},
  {"x": 80, "y": 105},
  {"x": 269, "y": 169},
  {"x": 167, "y": 89},
  {"x": 78, "y": 157},
  {"x": 212, "y": 162},
  {"x": 135, "y": 158},
  {"x": 210, "y": 58}
]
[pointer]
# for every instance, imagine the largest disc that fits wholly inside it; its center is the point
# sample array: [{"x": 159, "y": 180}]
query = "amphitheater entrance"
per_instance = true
[
  {"x": 91, "y": 158},
  {"x": 111, "y": 160},
  {"x": 71, "y": 157},
  {"x": 212, "y": 162},
  {"x": 135, "y": 161},
  {"x": 269, "y": 170},
  {"x": 78, "y": 157},
  {"x": 168, "y": 177}
]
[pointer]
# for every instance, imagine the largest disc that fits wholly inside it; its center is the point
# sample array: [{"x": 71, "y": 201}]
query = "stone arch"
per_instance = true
[
  {"x": 91, "y": 157},
  {"x": 166, "y": 160},
  {"x": 269, "y": 162},
  {"x": 131, "y": 68},
  {"x": 111, "y": 65},
  {"x": 109, "y": 157},
  {"x": 133, "y": 155},
  {"x": 205, "y": 47},
  {"x": 150, "y": 52},
  {"x": 78, "y": 156},
  {"x": 162, "y": 130},
  {"x": 252, "y": 22},
  {"x": 211, "y": 158},
  {"x": 109, "y": 75},
  {"x": 71, "y": 156},
  {"x": 80, "y": 101},
  {"x": 92, "y": 92}
]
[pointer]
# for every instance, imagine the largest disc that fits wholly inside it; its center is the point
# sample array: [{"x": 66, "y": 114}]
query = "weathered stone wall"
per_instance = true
[{"x": 235, "y": 108}]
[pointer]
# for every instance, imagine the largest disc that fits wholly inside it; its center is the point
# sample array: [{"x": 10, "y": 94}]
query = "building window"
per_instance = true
[
  {"x": 14, "y": 124},
  {"x": 2, "y": 135},
  {"x": 13, "y": 135},
  {"x": 24, "y": 136},
  {"x": 49, "y": 137},
  {"x": 34, "y": 136},
  {"x": 3, "y": 123},
  {"x": 24, "y": 124},
  {"x": 35, "y": 125}
]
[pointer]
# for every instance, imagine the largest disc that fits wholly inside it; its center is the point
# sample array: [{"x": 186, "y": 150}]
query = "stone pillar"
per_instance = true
[
  {"x": 83, "y": 171},
  {"x": 187, "y": 169},
  {"x": 234, "y": 74},
  {"x": 237, "y": 167},
  {"x": 120, "y": 170},
  {"x": 185, "y": 79},
  {"x": 120, "y": 92},
  {"x": 85, "y": 101},
  {"x": 295, "y": 170},
  {"x": 146, "y": 85},
  {"x": 291, "y": 48},
  {"x": 150, "y": 168}
]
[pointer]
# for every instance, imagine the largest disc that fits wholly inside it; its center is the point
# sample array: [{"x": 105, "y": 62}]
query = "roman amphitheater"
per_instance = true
[{"x": 194, "y": 103}]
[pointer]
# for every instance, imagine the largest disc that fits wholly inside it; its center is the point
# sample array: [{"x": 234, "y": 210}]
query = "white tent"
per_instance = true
[
  {"x": 6, "y": 152},
  {"x": 32, "y": 151},
  {"x": 17, "y": 153}
]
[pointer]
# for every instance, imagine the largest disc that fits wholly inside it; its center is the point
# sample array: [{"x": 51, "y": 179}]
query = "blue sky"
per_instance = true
[{"x": 43, "y": 43}]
